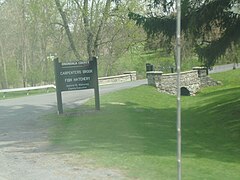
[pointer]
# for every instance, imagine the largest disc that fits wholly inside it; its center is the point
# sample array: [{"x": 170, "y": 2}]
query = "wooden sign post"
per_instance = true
[{"x": 73, "y": 76}]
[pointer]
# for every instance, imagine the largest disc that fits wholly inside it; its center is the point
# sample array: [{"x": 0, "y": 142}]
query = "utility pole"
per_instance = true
[{"x": 178, "y": 56}]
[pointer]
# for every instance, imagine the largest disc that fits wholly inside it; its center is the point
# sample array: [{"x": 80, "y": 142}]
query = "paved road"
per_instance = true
[
  {"x": 221, "y": 68},
  {"x": 25, "y": 152}
]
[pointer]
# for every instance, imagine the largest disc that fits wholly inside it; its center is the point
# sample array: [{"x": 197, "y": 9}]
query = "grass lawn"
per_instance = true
[{"x": 135, "y": 131}]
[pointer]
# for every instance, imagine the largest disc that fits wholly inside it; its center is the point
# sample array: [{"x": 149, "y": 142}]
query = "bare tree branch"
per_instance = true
[
  {"x": 103, "y": 20},
  {"x": 68, "y": 32}
]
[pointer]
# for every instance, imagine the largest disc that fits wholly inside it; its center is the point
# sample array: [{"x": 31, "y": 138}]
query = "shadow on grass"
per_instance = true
[
  {"x": 120, "y": 128},
  {"x": 130, "y": 128},
  {"x": 211, "y": 129}
]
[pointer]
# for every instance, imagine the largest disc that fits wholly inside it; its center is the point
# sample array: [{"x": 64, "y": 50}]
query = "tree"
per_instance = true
[
  {"x": 34, "y": 30},
  {"x": 42, "y": 32},
  {"x": 7, "y": 23},
  {"x": 93, "y": 22},
  {"x": 98, "y": 27},
  {"x": 26, "y": 39},
  {"x": 67, "y": 29},
  {"x": 212, "y": 24}
]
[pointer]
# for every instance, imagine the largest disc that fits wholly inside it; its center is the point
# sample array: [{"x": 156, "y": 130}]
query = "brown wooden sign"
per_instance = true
[{"x": 73, "y": 76}]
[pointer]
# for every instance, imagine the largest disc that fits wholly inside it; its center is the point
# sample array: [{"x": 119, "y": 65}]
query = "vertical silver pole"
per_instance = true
[{"x": 178, "y": 56}]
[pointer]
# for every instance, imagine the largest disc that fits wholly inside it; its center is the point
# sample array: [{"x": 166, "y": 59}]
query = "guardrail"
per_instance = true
[
  {"x": 127, "y": 76},
  {"x": 4, "y": 91}
]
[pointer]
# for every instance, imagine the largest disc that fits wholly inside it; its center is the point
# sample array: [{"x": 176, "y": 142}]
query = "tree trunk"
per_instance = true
[
  {"x": 68, "y": 32},
  {"x": 24, "y": 46},
  {"x": 88, "y": 29},
  {"x": 100, "y": 27},
  {"x": 4, "y": 69}
]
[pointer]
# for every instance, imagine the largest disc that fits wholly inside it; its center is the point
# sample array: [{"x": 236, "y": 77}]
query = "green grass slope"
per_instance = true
[{"x": 135, "y": 131}]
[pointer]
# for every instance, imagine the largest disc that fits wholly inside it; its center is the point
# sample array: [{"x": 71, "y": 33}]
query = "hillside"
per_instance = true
[{"x": 135, "y": 131}]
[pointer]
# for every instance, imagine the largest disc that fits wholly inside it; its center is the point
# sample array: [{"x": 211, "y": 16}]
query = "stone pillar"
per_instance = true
[
  {"x": 202, "y": 71},
  {"x": 153, "y": 77}
]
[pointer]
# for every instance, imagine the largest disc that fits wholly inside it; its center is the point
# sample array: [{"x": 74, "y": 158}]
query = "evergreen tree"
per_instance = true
[{"x": 213, "y": 24}]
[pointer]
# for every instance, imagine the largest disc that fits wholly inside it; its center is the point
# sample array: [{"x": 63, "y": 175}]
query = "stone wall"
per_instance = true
[
  {"x": 190, "y": 81},
  {"x": 208, "y": 81},
  {"x": 126, "y": 76}
]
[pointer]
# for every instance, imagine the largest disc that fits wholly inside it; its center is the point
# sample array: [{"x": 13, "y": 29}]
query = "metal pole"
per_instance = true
[{"x": 178, "y": 56}]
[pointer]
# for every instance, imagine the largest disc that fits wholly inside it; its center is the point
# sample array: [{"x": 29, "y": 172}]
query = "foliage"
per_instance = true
[
  {"x": 141, "y": 139},
  {"x": 231, "y": 55},
  {"x": 212, "y": 24},
  {"x": 137, "y": 57},
  {"x": 32, "y": 33}
]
